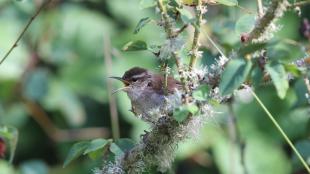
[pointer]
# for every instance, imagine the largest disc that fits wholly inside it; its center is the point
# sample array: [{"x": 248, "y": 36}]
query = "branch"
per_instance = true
[
  {"x": 112, "y": 102},
  {"x": 195, "y": 45},
  {"x": 274, "y": 11},
  {"x": 300, "y": 3},
  {"x": 24, "y": 30},
  {"x": 171, "y": 35}
]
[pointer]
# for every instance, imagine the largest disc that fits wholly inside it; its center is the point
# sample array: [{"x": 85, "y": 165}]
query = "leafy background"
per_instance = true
[{"x": 58, "y": 69}]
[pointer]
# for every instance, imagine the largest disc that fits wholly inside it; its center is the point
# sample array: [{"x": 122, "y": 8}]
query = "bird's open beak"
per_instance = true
[
  {"x": 120, "y": 89},
  {"x": 126, "y": 83}
]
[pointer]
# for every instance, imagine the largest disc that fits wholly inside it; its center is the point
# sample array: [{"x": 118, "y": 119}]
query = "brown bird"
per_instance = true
[{"x": 147, "y": 94}]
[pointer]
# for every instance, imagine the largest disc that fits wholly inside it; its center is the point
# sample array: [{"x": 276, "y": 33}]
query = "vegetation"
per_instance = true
[{"x": 243, "y": 67}]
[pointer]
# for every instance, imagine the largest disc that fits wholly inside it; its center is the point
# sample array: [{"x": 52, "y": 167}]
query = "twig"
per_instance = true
[
  {"x": 170, "y": 35},
  {"x": 195, "y": 44},
  {"x": 260, "y": 8},
  {"x": 280, "y": 130},
  {"x": 112, "y": 102},
  {"x": 300, "y": 3},
  {"x": 275, "y": 10},
  {"x": 24, "y": 30}
]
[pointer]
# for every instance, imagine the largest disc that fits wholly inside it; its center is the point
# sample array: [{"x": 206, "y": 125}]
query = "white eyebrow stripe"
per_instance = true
[{"x": 139, "y": 75}]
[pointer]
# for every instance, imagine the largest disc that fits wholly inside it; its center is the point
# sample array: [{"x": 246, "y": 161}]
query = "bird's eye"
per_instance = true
[
  {"x": 133, "y": 80},
  {"x": 149, "y": 84}
]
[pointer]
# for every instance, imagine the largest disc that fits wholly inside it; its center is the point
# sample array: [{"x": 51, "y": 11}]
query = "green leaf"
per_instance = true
[
  {"x": 245, "y": 24},
  {"x": 228, "y": 2},
  {"x": 135, "y": 46},
  {"x": 201, "y": 92},
  {"x": 95, "y": 145},
  {"x": 251, "y": 48},
  {"x": 303, "y": 148},
  {"x": 141, "y": 24},
  {"x": 293, "y": 69},
  {"x": 147, "y": 3},
  {"x": 191, "y": 108},
  {"x": 279, "y": 78},
  {"x": 76, "y": 151},
  {"x": 180, "y": 114},
  {"x": 120, "y": 146},
  {"x": 186, "y": 16},
  {"x": 114, "y": 148},
  {"x": 234, "y": 75}
]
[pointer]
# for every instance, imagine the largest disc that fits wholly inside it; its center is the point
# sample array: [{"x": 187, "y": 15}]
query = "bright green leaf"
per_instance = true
[
  {"x": 75, "y": 151},
  {"x": 245, "y": 24},
  {"x": 141, "y": 24},
  {"x": 95, "y": 145},
  {"x": 191, "y": 108},
  {"x": 234, "y": 75},
  {"x": 201, "y": 92},
  {"x": 135, "y": 46},
  {"x": 228, "y": 2},
  {"x": 293, "y": 69},
  {"x": 279, "y": 78}
]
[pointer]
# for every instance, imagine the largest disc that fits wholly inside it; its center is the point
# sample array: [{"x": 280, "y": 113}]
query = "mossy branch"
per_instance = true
[{"x": 274, "y": 11}]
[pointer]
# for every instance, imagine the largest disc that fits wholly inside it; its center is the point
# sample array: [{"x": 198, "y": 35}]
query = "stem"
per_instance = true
[
  {"x": 234, "y": 135},
  {"x": 170, "y": 34},
  {"x": 281, "y": 131},
  {"x": 307, "y": 83},
  {"x": 112, "y": 102},
  {"x": 260, "y": 9},
  {"x": 167, "y": 24},
  {"x": 24, "y": 30},
  {"x": 195, "y": 45}
]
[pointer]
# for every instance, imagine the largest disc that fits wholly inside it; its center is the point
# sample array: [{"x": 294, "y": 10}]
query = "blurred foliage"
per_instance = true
[{"x": 59, "y": 65}]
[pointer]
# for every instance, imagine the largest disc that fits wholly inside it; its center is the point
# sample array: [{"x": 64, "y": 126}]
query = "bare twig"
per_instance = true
[
  {"x": 195, "y": 44},
  {"x": 112, "y": 102},
  {"x": 24, "y": 30}
]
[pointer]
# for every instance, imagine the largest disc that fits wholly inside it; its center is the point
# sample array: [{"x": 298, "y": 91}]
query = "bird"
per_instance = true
[{"x": 148, "y": 96}]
